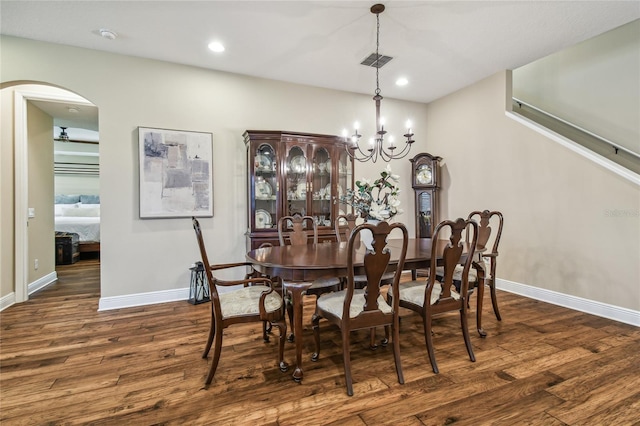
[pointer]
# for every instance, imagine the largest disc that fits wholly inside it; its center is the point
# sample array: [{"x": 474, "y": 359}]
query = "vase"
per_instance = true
[{"x": 366, "y": 237}]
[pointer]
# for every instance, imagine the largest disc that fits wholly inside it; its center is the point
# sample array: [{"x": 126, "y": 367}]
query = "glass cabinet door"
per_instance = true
[
  {"x": 345, "y": 181},
  {"x": 265, "y": 187},
  {"x": 425, "y": 214},
  {"x": 321, "y": 187},
  {"x": 296, "y": 183}
]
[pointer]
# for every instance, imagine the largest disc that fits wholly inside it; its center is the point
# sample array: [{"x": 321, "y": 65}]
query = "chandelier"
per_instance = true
[{"x": 375, "y": 148}]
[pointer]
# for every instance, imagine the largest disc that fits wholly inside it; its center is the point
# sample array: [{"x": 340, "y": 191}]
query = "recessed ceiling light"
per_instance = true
[
  {"x": 73, "y": 110},
  {"x": 216, "y": 46},
  {"x": 402, "y": 81},
  {"x": 108, "y": 34}
]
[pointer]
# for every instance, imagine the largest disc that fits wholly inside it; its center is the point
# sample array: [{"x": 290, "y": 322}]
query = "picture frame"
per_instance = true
[{"x": 176, "y": 173}]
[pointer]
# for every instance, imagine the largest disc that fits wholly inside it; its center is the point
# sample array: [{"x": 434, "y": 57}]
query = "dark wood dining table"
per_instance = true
[{"x": 298, "y": 266}]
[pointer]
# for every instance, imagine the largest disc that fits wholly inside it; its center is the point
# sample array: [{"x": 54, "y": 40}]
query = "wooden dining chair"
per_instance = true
[
  {"x": 296, "y": 230},
  {"x": 343, "y": 225},
  {"x": 435, "y": 296},
  {"x": 255, "y": 301},
  {"x": 355, "y": 309},
  {"x": 485, "y": 258}
]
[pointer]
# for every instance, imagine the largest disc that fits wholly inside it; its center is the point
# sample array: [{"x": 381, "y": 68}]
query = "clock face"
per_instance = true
[{"x": 424, "y": 174}]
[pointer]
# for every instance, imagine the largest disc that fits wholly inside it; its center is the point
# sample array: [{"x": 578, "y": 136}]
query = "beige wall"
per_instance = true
[
  {"x": 40, "y": 229},
  {"x": 140, "y": 256},
  {"x": 594, "y": 85},
  {"x": 571, "y": 226},
  {"x": 65, "y": 152},
  {"x": 559, "y": 235},
  {"x": 6, "y": 193}
]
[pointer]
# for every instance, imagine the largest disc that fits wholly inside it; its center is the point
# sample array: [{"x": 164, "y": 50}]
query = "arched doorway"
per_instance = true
[{"x": 23, "y": 95}]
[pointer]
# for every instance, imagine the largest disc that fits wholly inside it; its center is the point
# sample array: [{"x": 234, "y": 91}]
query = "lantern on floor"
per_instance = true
[{"x": 199, "y": 287}]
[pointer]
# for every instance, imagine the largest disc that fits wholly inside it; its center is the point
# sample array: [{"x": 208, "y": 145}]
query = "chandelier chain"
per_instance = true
[{"x": 377, "y": 53}]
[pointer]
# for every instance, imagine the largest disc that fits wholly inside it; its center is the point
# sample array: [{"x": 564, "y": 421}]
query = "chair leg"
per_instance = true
[
  {"x": 282, "y": 328},
  {"x": 396, "y": 351},
  {"x": 347, "y": 361},
  {"x": 426, "y": 319},
  {"x": 465, "y": 333},
  {"x": 212, "y": 332},
  {"x": 217, "y": 349},
  {"x": 315, "y": 322},
  {"x": 494, "y": 299},
  {"x": 289, "y": 306},
  {"x": 266, "y": 329},
  {"x": 372, "y": 339}
]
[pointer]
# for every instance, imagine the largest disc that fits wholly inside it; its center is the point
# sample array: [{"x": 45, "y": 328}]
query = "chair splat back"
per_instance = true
[
  {"x": 484, "y": 228},
  {"x": 297, "y": 230},
  {"x": 452, "y": 256},
  {"x": 343, "y": 225},
  {"x": 376, "y": 263}
]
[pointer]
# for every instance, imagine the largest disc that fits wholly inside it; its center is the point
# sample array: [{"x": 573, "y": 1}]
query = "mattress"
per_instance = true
[{"x": 87, "y": 228}]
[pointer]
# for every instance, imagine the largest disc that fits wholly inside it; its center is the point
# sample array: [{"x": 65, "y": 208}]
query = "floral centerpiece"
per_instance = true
[{"x": 375, "y": 201}]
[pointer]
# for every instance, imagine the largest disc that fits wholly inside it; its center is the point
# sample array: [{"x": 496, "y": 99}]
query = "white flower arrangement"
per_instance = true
[{"x": 378, "y": 200}]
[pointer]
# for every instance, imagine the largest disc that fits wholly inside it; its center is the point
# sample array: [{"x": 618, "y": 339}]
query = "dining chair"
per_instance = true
[
  {"x": 343, "y": 225},
  {"x": 486, "y": 259},
  {"x": 296, "y": 230},
  {"x": 255, "y": 301},
  {"x": 355, "y": 309},
  {"x": 438, "y": 295}
]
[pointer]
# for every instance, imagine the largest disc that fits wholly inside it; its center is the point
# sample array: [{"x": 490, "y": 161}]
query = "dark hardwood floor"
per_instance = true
[{"x": 62, "y": 362}]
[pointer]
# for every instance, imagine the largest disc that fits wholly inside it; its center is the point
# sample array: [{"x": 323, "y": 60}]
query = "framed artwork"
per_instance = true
[{"x": 176, "y": 177}]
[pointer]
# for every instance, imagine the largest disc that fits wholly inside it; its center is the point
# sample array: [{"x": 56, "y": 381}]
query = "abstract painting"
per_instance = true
[{"x": 175, "y": 173}]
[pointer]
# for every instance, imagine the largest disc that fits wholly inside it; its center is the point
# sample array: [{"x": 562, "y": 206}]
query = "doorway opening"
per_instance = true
[{"x": 39, "y": 111}]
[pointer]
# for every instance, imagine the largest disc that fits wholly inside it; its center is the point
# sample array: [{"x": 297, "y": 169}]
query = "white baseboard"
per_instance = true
[
  {"x": 141, "y": 299},
  {"x": 627, "y": 316},
  {"x": 624, "y": 315},
  {"x": 42, "y": 282},
  {"x": 8, "y": 300}
]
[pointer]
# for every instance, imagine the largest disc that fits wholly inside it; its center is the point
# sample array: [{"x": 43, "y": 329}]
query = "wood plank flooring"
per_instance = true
[{"x": 62, "y": 362}]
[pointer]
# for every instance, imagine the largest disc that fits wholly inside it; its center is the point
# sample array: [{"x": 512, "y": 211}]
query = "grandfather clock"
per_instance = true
[{"x": 425, "y": 180}]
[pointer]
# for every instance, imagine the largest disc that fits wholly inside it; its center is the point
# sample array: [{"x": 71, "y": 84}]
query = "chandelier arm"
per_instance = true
[
  {"x": 401, "y": 154},
  {"x": 364, "y": 156}
]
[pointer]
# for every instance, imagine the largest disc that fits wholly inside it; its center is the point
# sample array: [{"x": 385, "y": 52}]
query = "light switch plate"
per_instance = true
[{"x": 32, "y": 212}]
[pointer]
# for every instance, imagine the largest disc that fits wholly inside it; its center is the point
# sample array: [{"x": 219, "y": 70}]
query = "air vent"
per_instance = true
[{"x": 376, "y": 61}]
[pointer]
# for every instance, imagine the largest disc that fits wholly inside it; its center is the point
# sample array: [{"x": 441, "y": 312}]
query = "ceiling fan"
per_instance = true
[{"x": 64, "y": 137}]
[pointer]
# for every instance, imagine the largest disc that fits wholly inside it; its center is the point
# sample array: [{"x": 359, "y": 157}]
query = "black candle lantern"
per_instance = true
[{"x": 199, "y": 287}]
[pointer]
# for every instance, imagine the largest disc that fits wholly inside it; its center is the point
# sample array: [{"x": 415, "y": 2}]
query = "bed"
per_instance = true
[{"x": 79, "y": 214}]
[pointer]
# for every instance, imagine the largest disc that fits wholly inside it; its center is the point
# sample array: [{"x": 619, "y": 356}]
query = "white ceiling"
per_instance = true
[{"x": 440, "y": 46}]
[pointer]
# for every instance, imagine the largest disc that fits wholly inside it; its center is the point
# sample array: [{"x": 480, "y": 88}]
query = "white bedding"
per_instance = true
[{"x": 88, "y": 228}]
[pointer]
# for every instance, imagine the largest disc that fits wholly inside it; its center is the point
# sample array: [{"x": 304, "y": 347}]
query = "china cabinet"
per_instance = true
[{"x": 291, "y": 173}]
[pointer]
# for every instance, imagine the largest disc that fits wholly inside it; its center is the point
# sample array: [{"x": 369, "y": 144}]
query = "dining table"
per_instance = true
[{"x": 298, "y": 266}]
